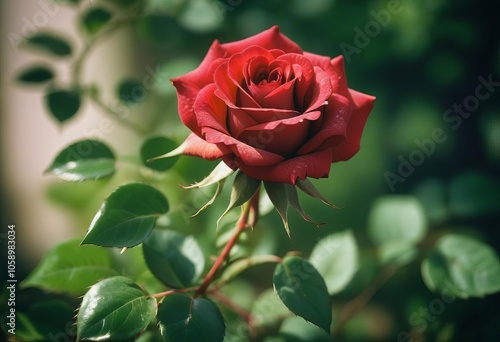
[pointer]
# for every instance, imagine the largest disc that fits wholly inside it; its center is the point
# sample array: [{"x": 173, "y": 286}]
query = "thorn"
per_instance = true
[{"x": 123, "y": 250}]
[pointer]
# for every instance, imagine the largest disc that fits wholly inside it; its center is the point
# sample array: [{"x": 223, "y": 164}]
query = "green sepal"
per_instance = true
[
  {"x": 282, "y": 196},
  {"x": 308, "y": 187},
  {"x": 243, "y": 189},
  {"x": 221, "y": 171}
]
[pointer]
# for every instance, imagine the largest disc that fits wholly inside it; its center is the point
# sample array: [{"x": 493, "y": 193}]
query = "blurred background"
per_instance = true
[{"x": 432, "y": 133}]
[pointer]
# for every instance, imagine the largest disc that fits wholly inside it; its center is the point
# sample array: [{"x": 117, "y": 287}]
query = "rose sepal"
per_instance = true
[
  {"x": 283, "y": 195},
  {"x": 243, "y": 189}
]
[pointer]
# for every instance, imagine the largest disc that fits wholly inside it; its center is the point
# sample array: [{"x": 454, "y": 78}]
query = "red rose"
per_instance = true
[{"x": 265, "y": 107}]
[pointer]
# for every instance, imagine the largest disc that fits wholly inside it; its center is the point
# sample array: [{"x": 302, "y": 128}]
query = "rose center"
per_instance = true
[{"x": 265, "y": 77}]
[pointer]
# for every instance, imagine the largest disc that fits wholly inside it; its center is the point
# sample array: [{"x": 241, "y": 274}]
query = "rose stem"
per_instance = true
[
  {"x": 233, "y": 306},
  {"x": 240, "y": 227},
  {"x": 355, "y": 305}
]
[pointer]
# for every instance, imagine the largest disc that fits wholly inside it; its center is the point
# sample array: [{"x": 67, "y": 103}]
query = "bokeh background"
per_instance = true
[{"x": 420, "y": 58}]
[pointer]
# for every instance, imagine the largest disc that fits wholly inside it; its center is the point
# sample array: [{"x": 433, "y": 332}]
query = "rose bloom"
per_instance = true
[{"x": 275, "y": 112}]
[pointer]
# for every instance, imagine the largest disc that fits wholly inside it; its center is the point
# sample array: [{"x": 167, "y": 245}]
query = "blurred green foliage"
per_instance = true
[{"x": 422, "y": 59}]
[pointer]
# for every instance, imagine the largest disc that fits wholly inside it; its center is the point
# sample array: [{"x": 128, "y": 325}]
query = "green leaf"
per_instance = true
[
  {"x": 51, "y": 43},
  {"x": 175, "y": 259},
  {"x": 127, "y": 216},
  {"x": 397, "y": 218},
  {"x": 295, "y": 329},
  {"x": 184, "y": 319},
  {"x": 131, "y": 92},
  {"x": 36, "y": 74},
  {"x": 63, "y": 104},
  {"x": 397, "y": 252},
  {"x": 243, "y": 189},
  {"x": 336, "y": 259},
  {"x": 462, "y": 265},
  {"x": 95, "y": 19},
  {"x": 70, "y": 268},
  {"x": 200, "y": 16},
  {"x": 303, "y": 291},
  {"x": 154, "y": 147},
  {"x": 114, "y": 309},
  {"x": 150, "y": 336},
  {"x": 84, "y": 160}
]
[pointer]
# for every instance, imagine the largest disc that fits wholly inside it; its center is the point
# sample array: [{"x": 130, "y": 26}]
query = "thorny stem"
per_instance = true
[
  {"x": 247, "y": 316},
  {"x": 240, "y": 227}
]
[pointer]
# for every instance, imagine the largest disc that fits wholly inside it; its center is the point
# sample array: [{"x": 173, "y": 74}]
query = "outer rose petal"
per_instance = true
[
  {"x": 316, "y": 165},
  {"x": 275, "y": 136},
  {"x": 363, "y": 105},
  {"x": 210, "y": 110},
  {"x": 249, "y": 154},
  {"x": 335, "y": 69},
  {"x": 195, "y": 146},
  {"x": 189, "y": 85},
  {"x": 270, "y": 39},
  {"x": 334, "y": 125}
]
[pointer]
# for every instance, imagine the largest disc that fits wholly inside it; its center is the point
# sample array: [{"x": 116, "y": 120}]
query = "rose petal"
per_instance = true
[
  {"x": 321, "y": 90},
  {"x": 334, "y": 68},
  {"x": 269, "y": 39},
  {"x": 316, "y": 165},
  {"x": 310, "y": 116},
  {"x": 304, "y": 75},
  {"x": 362, "y": 106},
  {"x": 235, "y": 72},
  {"x": 280, "y": 98},
  {"x": 248, "y": 154},
  {"x": 210, "y": 110},
  {"x": 263, "y": 115},
  {"x": 333, "y": 127},
  {"x": 282, "y": 136},
  {"x": 277, "y": 74},
  {"x": 238, "y": 120},
  {"x": 195, "y": 146},
  {"x": 190, "y": 84},
  {"x": 229, "y": 92}
]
